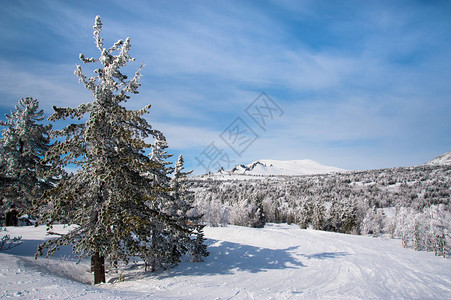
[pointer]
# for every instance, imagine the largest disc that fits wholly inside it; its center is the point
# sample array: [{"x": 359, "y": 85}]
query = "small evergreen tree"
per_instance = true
[
  {"x": 24, "y": 176},
  {"x": 187, "y": 217},
  {"x": 333, "y": 220},
  {"x": 305, "y": 214},
  {"x": 163, "y": 254},
  {"x": 318, "y": 217},
  {"x": 116, "y": 197},
  {"x": 347, "y": 217}
]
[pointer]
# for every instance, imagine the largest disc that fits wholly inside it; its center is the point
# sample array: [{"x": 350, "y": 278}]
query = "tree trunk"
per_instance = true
[
  {"x": 98, "y": 267},
  {"x": 11, "y": 218}
]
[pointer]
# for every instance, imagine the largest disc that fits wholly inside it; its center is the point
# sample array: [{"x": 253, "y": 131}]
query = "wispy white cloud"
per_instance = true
[
  {"x": 50, "y": 84},
  {"x": 351, "y": 77},
  {"x": 186, "y": 137}
]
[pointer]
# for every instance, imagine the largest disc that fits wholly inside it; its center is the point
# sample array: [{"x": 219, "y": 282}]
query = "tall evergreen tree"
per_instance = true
[
  {"x": 115, "y": 196},
  {"x": 24, "y": 176}
]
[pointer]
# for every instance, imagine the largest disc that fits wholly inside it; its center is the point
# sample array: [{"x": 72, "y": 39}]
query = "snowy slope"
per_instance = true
[
  {"x": 276, "y": 262},
  {"x": 444, "y": 159},
  {"x": 270, "y": 167}
]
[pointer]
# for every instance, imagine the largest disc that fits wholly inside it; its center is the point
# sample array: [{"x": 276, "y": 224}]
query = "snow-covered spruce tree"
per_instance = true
[
  {"x": 318, "y": 217},
  {"x": 187, "y": 216},
  {"x": 349, "y": 219},
  {"x": 175, "y": 200},
  {"x": 114, "y": 197},
  {"x": 305, "y": 214},
  {"x": 24, "y": 176},
  {"x": 257, "y": 218},
  {"x": 161, "y": 246}
]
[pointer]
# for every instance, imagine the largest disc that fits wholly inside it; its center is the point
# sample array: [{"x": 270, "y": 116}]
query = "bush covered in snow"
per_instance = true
[{"x": 7, "y": 242}]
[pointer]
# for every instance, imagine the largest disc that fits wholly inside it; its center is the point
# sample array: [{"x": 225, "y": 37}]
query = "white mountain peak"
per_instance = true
[
  {"x": 444, "y": 159},
  {"x": 268, "y": 167}
]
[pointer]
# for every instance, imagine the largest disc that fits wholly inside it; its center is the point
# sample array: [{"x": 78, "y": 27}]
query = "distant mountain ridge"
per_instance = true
[
  {"x": 444, "y": 159},
  {"x": 270, "y": 167}
]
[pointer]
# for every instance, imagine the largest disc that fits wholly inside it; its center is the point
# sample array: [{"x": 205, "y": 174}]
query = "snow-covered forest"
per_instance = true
[{"x": 410, "y": 203}]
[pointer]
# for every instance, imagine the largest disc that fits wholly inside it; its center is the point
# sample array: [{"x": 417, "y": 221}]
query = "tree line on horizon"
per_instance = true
[{"x": 411, "y": 203}]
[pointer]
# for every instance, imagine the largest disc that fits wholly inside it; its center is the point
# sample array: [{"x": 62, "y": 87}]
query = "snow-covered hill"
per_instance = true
[
  {"x": 270, "y": 167},
  {"x": 276, "y": 262},
  {"x": 444, "y": 159}
]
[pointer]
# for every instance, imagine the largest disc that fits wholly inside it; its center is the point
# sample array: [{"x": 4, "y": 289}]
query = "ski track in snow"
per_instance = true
[{"x": 278, "y": 262}]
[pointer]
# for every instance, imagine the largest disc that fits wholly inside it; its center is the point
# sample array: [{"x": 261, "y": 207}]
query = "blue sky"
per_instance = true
[{"x": 359, "y": 84}]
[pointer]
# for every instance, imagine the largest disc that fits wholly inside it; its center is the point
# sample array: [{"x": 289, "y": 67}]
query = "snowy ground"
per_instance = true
[{"x": 277, "y": 262}]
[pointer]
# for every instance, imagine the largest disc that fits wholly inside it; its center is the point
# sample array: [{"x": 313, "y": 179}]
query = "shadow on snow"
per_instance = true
[
  {"x": 225, "y": 258},
  {"x": 325, "y": 255},
  {"x": 30, "y": 247},
  {"x": 228, "y": 258}
]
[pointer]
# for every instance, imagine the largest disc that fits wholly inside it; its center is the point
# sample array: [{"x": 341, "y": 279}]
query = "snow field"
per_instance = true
[{"x": 277, "y": 262}]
